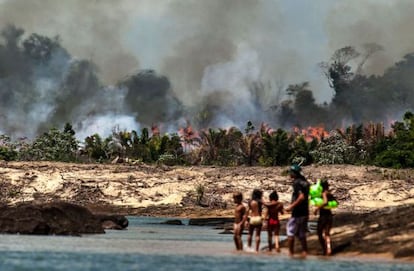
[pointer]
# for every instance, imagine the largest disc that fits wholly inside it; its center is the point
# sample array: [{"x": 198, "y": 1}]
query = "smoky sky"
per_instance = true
[{"x": 210, "y": 52}]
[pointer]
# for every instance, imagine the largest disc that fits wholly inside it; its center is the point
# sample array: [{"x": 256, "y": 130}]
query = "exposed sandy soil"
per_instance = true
[{"x": 375, "y": 214}]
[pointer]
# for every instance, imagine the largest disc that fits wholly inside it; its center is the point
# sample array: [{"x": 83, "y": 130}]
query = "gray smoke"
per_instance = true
[
  {"x": 224, "y": 61},
  {"x": 93, "y": 30},
  {"x": 388, "y": 23}
]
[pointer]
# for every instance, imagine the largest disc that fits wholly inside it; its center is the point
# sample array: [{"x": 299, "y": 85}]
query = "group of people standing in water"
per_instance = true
[{"x": 260, "y": 213}]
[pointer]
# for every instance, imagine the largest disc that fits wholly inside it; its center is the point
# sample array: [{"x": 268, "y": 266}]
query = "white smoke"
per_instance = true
[
  {"x": 105, "y": 114},
  {"x": 233, "y": 76},
  {"x": 104, "y": 125},
  {"x": 234, "y": 79}
]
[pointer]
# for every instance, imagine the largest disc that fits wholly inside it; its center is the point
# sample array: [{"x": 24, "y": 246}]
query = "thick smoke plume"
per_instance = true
[{"x": 101, "y": 65}]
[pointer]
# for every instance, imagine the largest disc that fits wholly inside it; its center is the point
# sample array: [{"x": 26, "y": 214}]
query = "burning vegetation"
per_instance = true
[
  {"x": 364, "y": 144},
  {"x": 42, "y": 86}
]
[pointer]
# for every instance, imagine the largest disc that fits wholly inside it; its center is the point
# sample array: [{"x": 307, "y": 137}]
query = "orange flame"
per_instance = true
[
  {"x": 188, "y": 135},
  {"x": 155, "y": 130},
  {"x": 265, "y": 128},
  {"x": 310, "y": 133}
]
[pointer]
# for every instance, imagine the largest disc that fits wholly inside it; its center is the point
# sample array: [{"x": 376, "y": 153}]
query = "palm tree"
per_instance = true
[
  {"x": 251, "y": 148},
  {"x": 210, "y": 144}
]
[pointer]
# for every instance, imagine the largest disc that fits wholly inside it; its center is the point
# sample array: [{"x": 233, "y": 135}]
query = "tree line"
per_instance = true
[{"x": 364, "y": 144}]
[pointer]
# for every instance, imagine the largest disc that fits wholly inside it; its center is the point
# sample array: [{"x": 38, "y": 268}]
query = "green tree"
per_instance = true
[
  {"x": 251, "y": 144},
  {"x": 96, "y": 148},
  {"x": 397, "y": 150},
  {"x": 229, "y": 149},
  {"x": 139, "y": 146},
  {"x": 54, "y": 145},
  {"x": 339, "y": 73},
  {"x": 8, "y": 150},
  {"x": 171, "y": 150},
  {"x": 301, "y": 150},
  {"x": 220, "y": 147},
  {"x": 276, "y": 148}
]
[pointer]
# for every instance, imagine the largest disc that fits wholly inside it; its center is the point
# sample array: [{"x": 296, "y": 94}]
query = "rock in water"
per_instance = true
[
  {"x": 173, "y": 222},
  {"x": 60, "y": 218},
  {"x": 113, "y": 222}
]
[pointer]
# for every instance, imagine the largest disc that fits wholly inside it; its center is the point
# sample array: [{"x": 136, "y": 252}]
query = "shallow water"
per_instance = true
[{"x": 148, "y": 245}]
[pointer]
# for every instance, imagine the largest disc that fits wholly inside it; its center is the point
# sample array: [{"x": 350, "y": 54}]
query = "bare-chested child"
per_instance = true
[
  {"x": 255, "y": 218},
  {"x": 239, "y": 220},
  {"x": 274, "y": 208}
]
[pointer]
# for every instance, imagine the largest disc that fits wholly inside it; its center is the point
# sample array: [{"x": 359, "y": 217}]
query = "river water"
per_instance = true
[{"x": 149, "y": 245}]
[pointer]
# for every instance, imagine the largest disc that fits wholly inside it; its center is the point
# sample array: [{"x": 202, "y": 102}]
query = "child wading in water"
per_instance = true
[
  {"x": 274, "y": 207},
  {"x": 325, "y": 219},
  {"x": 239, "y": 220},
  {"x": 255, "y": 220}
]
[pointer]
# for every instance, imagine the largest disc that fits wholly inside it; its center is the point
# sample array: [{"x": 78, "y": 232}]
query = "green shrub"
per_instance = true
[
  {"x": 168, "y": 159},
  {"x": 7, "y": 149},
  {"x": 397, "y": 150},
  {"x": 53, "y": 145},
  {"x": 334, "y": 150}
]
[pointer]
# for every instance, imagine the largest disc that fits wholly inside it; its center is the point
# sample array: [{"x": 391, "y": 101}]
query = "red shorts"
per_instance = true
[{"x": 273, "y": 222}]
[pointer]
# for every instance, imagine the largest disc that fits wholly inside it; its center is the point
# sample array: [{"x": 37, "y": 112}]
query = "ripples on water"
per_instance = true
[{"x": 147, "y": 245}]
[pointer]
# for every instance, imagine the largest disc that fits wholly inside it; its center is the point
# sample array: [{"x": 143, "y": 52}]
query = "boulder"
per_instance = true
[
  {"x": 113, "y": 222},
  {"x": 172, "y": 222},
  {"x": 210, "y": 221},
  {"x": 59, "y": 218}
]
